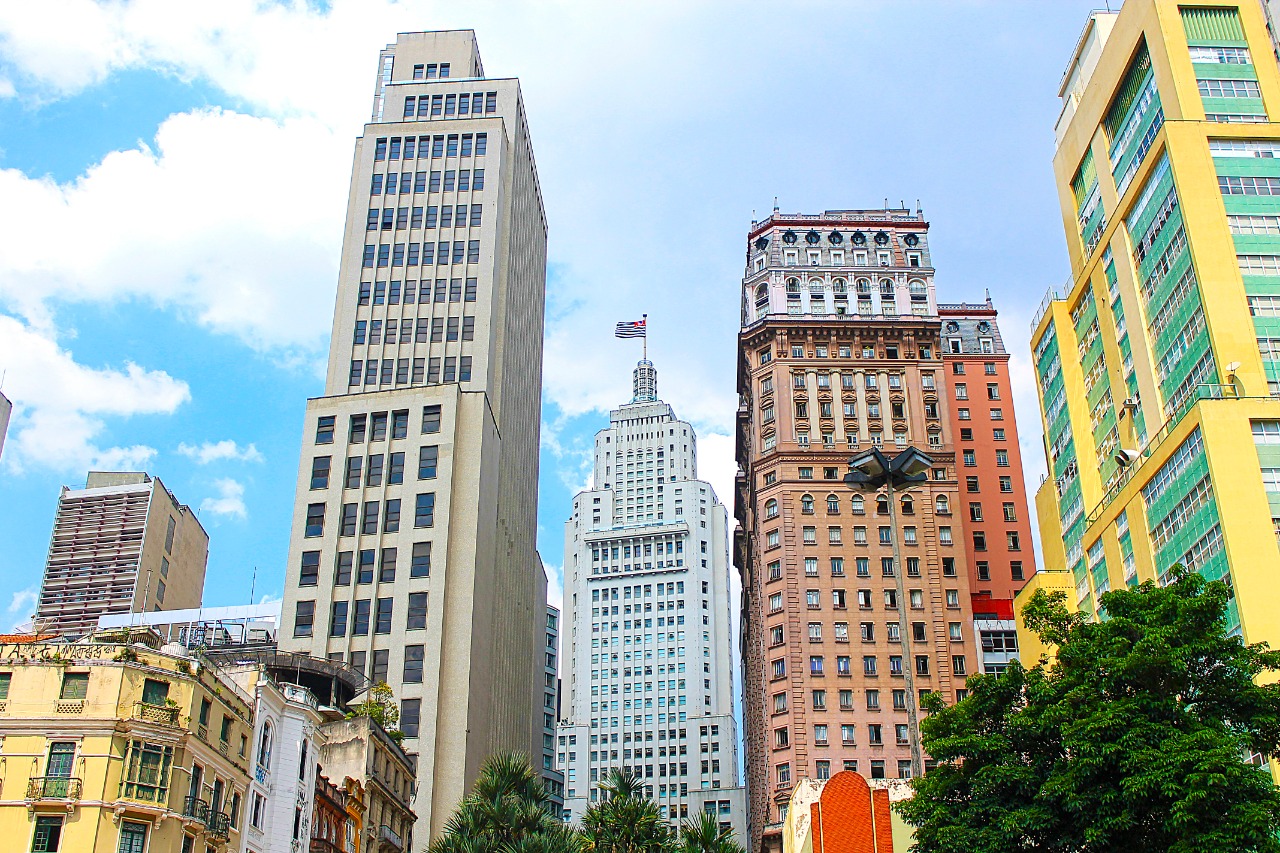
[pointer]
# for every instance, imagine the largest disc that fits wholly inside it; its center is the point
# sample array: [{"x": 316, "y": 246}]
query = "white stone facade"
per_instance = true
[{"x": 648, "y": 677}]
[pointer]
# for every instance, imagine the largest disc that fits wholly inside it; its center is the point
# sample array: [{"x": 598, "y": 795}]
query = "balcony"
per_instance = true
[
  {"x": 53, "y": 788},
  {"x": 301, "y": 695},
  {"x": 195, "y": 809},
  {"x": 389, "y": 840},
  {"x": 164, "y": 715},
  {"x": 219, "y": 825}
]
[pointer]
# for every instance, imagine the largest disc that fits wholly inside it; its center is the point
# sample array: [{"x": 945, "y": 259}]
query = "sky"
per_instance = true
[{"x": 173, "y": 183}]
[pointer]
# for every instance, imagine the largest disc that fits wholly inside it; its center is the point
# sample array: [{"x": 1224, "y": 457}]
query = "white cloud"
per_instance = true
[
  {"x": 199, "y": 223},
  {"x": 229, "y": 500},
  {"x": 555, "y": 585},
  {"x": 22, "y": 600},
  {"x": 61, "y": 406},
  {"x": 22, "y": 607},
  {"x": 219, "y": 451}
]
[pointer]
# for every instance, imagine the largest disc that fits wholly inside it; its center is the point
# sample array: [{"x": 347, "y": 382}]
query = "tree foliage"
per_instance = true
[
  {"x": 1134, "y": 739},
  {"x": 507, "y": 811},
  {"x": 379, "y": 706}
]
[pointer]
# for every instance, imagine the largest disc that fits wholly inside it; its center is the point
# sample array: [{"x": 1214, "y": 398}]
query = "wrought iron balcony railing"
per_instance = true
[
  {"x": 196, "y": 808},
  {"x": 219, "y": 824},
  {"x": 54, "y": 788}
]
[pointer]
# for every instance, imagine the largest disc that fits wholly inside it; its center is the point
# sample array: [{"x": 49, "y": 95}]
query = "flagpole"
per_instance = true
[{"x": 644, "y": 339}]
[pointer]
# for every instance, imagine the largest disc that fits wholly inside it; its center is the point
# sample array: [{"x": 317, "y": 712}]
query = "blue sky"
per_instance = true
[{"x": 173, "y": 180}]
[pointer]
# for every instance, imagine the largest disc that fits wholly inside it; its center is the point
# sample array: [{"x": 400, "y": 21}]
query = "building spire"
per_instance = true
[{"x": 644, "y": 382}]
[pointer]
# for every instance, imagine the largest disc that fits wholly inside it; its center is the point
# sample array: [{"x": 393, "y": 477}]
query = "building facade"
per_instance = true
[
  {"x": 1159, "y": 366},
  {"x": 108, "y": 746},
  {"x": 552, "y": 774},
  {"x": 840, "y": 351},
  {"x": 361, "y": 753},
  {"x": 649, "y": 676},
  {"x": 997, "y": 541},
  {"x": 280, "y": 808},
  {"x": 417, "y": 489},
  {"x": 122, "y": 544}
]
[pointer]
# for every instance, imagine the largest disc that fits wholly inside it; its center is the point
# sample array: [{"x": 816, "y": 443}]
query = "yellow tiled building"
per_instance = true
[
  {"x": 1159, "y": 366},
  {"x": 111, "y": 748}
]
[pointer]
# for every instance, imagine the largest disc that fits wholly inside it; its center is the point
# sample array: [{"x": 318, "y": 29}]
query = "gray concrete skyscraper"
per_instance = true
[
  {"x": 648, "y": 675},
  {"x": 413, "y": 549}
]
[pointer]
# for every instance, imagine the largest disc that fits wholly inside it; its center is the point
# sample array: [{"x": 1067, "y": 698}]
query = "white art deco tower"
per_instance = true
[
  {"x": 648, "y": 677},
  {"x": 413, "y": 549}
]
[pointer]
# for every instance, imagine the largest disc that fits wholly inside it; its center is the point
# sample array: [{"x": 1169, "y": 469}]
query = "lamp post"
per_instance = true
[{"x": 872, "y": 470}]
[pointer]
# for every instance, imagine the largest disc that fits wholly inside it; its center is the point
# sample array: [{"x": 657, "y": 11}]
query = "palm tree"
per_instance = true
[
  {"x": 704, "y": 834},
  {"x": 625, "y": 821},
  {"x": 506, "y": 812}
]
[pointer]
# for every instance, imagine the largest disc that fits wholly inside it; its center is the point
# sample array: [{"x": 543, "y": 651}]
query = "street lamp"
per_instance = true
[{"x": 872, "y": 470}]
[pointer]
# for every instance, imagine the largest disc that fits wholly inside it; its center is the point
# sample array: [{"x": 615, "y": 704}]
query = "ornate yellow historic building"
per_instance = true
[{"x": 112, "y": 748}]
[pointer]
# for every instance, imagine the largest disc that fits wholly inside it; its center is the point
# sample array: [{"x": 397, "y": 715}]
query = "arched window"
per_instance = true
[
  {"x": 942, "y": 506},
  {"x": 771, "y": 508},
  {"x": 833, "y": 505},
  {"x": 918, "y": 290},
  {"x": 839, "y": 286},
  {"x": 793, "y": 285},
  {"x": 806, "y": 504},
  {"x": 264, "y": 745},
  {"x": 816, "y": 285},
  {"x": 864, "y": 286},
  {"x": 762, "y": 291},
  {"x": 858, "y": 505},
  {"x": 908, "y": 505},
  {"x": 882, "y": 505},
  {"x": 886, "y": 287}
]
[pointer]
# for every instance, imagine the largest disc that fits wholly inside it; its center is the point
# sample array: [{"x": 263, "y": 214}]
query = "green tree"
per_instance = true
[
  {"x": 1134, "y": 739},
  {"x": 625, "y": 821},
  {"x": 703, "y": 834},
  {"x": 379, "y": 706},
  {"x": 506, "y": 812}
]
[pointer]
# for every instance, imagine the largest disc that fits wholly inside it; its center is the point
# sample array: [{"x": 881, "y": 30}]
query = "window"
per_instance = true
[
  {"x": 417, "y": 616},
  {"x": 47, "y": 837},
  {"x": 430, "y": 419},
  {"x": 424, "y": 510},
  {"x": 75, "y": 686},
  {"x": 427, "y": 460},
  {"x": 304, "y": 618},
  {"x": 309, "y": 571},
  {"x": 338, "y": 619},
  {"x": 315, "y": 520},
  {"x": 420, "y": 563},
  {"x": 410, "y": 720}
]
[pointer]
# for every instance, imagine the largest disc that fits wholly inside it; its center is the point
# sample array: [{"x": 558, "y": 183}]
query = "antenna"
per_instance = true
[{"x": 253, "y": 584}]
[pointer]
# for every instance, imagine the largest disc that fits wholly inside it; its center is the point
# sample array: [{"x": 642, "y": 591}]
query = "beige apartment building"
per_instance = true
[
  {"x": 413, "y": 554},
  {"x": 121, "y": 544}
]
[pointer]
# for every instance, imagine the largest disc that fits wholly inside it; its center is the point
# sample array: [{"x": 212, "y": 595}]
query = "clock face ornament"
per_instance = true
[
  {"x": 882, "y": 239},
  {"x": 762, "y": 243},
  {"x": 812, "y": 238},
  {"x": 911, "y": 240},
  {"x": 788, "y": 236},
  {"x": 835, "y": 238}
]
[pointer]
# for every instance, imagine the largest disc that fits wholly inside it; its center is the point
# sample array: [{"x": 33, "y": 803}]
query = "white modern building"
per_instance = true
[
  {"x": 648, "y": 676},
  {"x": 413, "y": 554}
]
